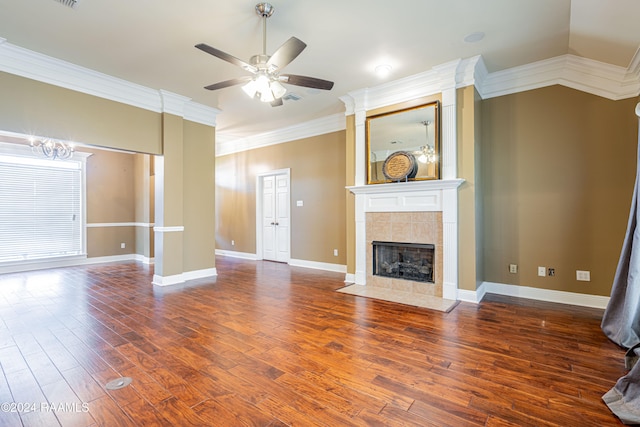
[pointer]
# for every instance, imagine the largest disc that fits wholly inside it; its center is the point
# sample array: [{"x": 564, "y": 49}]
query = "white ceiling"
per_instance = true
[{"x": 151, "y": 42}]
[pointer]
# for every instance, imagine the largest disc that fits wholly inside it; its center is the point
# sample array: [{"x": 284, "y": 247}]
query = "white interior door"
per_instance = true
[
  {"x": 268, "y": 218},
  {"x": 275, "y": 218},
  {"x": 282, "y": 218}
]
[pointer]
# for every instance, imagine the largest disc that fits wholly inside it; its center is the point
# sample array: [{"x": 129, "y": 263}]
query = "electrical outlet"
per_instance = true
[
  {"x": 233, "y": 243},
  {"x": 542, "y": 271},
  {"x": 552, "y": 271},
  {"x": 122, "y": 245},
  {"x": 335, "y": 252},
  {"x": 513, "y": 268},
  {"x": 583, "y": 275}
]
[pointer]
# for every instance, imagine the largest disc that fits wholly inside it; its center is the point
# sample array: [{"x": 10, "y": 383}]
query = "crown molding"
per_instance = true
[
  {"x": 35, "y": 66},
  {"x": 229, "y": 145},
  {"x": 453, "y": 74},
  {"x": 594, "y": 77}
]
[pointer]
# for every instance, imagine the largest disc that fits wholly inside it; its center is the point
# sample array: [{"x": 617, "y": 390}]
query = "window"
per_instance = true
[{"x": 41, "y": 207}]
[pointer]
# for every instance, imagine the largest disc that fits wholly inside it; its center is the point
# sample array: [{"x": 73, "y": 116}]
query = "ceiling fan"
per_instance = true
[{"x": 266, "y": 81}]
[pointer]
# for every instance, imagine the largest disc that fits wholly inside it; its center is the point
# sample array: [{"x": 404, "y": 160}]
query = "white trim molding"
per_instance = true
[
  {"x": 548, "y": 295},
  {"x": 70, "y": 262},
  {"x": 177, "y": 279},
  {"x": 171, "y": 229},
  {"x": 227, "y": 144},
  {"x": 316, "y": 265},
  {"x": 144, "y": 259},
  {"x": 597, "y": 78},
  {"x": 119, "y": 224},
  {"x": 235, "y": 254},
  {"x": 36, "y": 66}
]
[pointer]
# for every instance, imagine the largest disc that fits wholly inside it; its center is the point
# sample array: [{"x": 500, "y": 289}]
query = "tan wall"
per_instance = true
[
  {"x": 350, "y": 197},
  {"x": 105, "y": 241},
  {"x": 468, "y": 209},
  {"x": 31, "y": 107},
  {"x": 558, "y": 169},
  {"x": 110, "y": 199},
  {"x": 34, "y": 108},
  {"x": 317, "y": 178},
  {"x": 199, "y": 197},
  {"x": 144, "y": 191}
]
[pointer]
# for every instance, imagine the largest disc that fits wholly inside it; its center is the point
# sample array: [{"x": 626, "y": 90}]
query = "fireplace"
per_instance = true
[
  {"x": 408, "y": 261},
  {"x": 423, "y": 212}
]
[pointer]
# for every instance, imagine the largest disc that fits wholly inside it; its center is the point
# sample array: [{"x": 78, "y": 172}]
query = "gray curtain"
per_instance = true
[{"x": 621, "y": 320}]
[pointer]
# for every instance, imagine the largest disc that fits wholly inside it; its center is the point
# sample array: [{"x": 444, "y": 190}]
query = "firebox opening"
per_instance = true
[{"x": 409, "y": 261}]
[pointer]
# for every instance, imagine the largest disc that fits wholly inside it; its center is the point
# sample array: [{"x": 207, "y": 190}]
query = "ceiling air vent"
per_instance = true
[
  {"x": 70, "y": 3},
  {"x": 292, "y": 97}
]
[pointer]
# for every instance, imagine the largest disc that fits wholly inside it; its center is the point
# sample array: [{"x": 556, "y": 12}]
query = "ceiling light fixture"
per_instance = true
[
  {"x": 383, "y": 70},
  {"x": 264, "y": 88},
  {"x": 51, "y": 148}
]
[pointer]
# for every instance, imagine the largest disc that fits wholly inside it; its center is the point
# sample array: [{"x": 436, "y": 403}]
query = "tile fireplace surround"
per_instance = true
[{"x": 409, "y": 212}]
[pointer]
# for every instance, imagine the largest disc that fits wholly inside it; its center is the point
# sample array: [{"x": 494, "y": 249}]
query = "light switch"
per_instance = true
[{"x": 299, "y": 203}]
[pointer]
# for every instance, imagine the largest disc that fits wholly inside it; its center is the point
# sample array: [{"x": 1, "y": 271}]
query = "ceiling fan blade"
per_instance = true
[
  {"x": 276, "y": 102},
  {"x": 226, "y": 57},
  {"x": 305, "y": 81},
  {"x": 227, "y": 83},
  {"x": 286, "y": 53}
]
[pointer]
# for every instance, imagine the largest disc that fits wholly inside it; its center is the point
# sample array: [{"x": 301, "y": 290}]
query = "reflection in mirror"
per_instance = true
[{"x": 404, "y": 145}]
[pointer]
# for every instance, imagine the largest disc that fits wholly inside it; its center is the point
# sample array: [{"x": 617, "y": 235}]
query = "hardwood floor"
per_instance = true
[{"x": 265, "y": 344}]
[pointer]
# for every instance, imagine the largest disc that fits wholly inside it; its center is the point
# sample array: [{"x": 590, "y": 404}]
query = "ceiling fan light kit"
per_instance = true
[{"x": 266, "y": 83}]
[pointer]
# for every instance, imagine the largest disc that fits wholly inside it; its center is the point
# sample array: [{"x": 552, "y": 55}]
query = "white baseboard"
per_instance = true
[
  {"x": 350, "y": 278},
  {"x": 234, "y": 254},
  {"x": 178, "y": 279},
  {"x": 563, "y": 297},
  {"x": 338, "y": 268},
  {"x": 143, "y": 259},
  {"x": 200, "y": 274},
  {"x": 64, "y": 262}
]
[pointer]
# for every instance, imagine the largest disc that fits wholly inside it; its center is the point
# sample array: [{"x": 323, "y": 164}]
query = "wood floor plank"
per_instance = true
[{"x": 267, "y": 344}]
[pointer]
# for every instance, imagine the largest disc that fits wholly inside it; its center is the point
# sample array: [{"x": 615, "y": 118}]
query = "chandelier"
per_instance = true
[
  {"x": 51, "y": 148},
  {"x": 427, "y": 153}
]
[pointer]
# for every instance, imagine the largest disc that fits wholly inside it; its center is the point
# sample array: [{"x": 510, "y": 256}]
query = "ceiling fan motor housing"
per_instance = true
[{"x": 264, "y": 9}]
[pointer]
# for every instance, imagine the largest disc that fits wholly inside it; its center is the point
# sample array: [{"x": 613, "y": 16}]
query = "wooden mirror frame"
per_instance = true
[{"x": 412, "y": 133}]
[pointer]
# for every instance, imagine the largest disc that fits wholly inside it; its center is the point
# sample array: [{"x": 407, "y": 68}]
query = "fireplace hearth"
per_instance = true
[{"x": 408, "y": 261}]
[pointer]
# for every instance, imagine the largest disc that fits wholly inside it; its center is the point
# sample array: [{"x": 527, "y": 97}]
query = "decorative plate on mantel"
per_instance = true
[{"x": 400, "y": 166}]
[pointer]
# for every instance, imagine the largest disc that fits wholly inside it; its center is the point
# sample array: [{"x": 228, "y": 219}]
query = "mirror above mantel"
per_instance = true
[{"x": 404, "y": 145}]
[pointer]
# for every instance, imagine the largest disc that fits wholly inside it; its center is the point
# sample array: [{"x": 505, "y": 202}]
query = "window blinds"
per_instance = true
[{"x": 40, "y": 208}]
